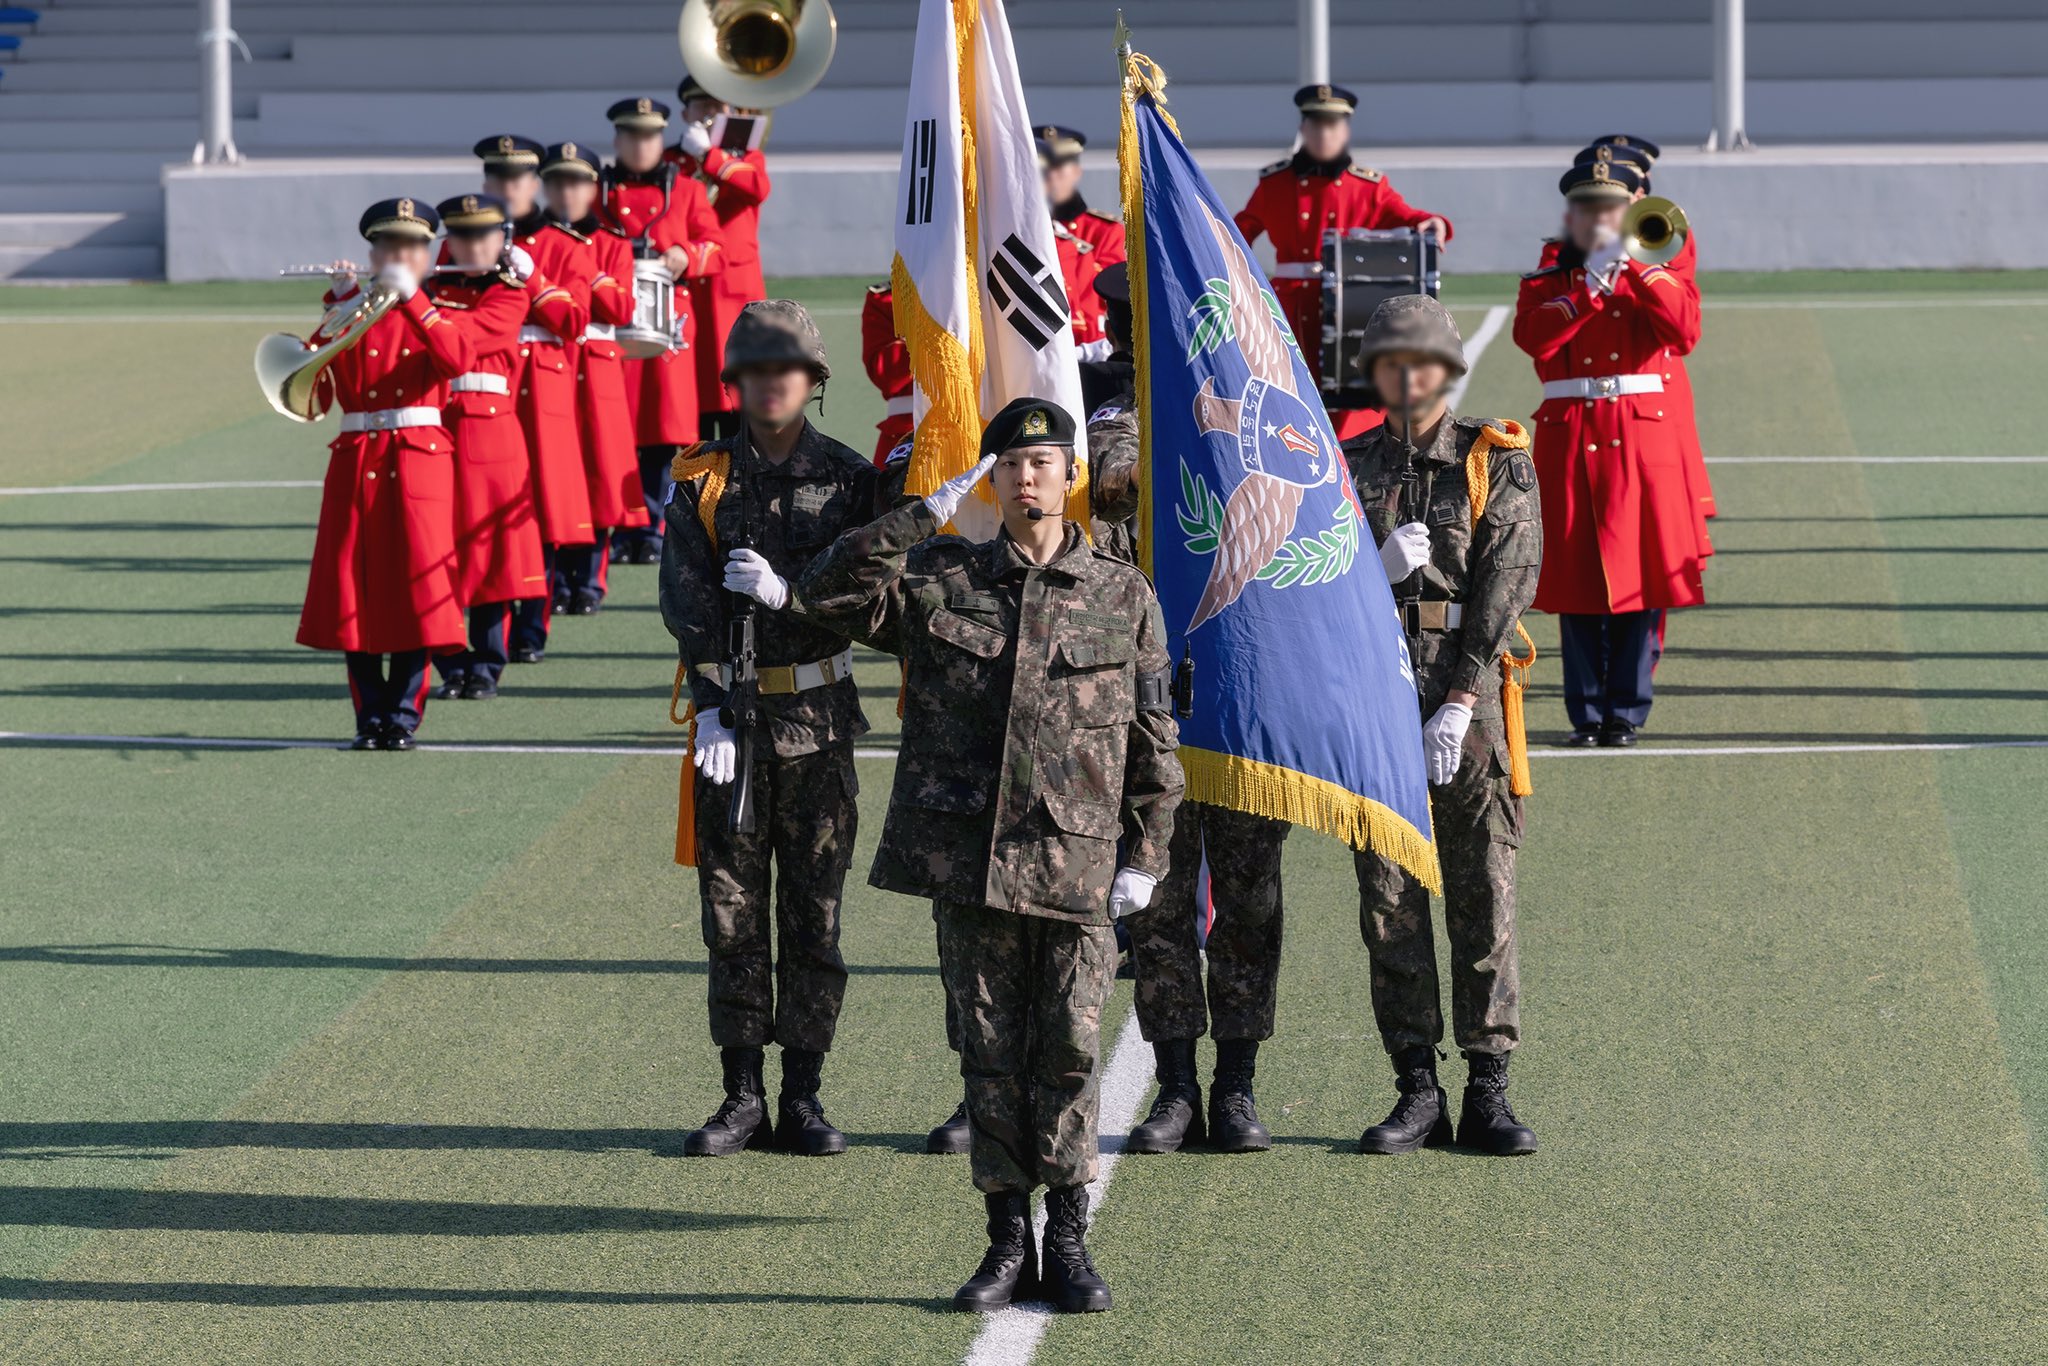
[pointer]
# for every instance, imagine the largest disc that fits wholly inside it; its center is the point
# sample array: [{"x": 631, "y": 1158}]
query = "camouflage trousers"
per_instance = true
[
  {"x": 1244, "y": 944},
  {"x": 806, "y": 815},
  {"x": 1478, "y": 830},
  {"x": 1029, "y": 992}
]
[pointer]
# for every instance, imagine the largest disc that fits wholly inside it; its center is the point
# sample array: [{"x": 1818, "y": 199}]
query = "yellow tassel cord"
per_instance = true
[
  {"x": 686, "y": 790},
  {"x": 715, "y": 467},
  {"x": 1269, "y": 790},
  {"x": 1514, "y": 671}
]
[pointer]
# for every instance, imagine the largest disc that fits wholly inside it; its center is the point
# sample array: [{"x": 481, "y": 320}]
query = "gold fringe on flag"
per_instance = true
[{"x": 1312, "y": 803}]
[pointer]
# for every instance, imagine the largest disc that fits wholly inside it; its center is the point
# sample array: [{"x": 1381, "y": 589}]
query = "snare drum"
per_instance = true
[
  {"x": 653, "y": 329},
  {"x": 1361, "y": 267}
]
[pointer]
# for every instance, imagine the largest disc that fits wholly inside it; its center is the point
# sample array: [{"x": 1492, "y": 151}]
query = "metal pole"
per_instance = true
[
  {"x": 1314, "y": 24},
  {"x": 217, "y": 41},
  {"x": 1730, "y": 122}
]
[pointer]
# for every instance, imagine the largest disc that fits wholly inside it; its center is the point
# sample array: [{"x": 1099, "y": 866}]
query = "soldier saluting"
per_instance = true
[
  {"x": 746, "y": 513},
  {"x": 1038, "y": 731},
  {"x": 1453, "y": 502}
]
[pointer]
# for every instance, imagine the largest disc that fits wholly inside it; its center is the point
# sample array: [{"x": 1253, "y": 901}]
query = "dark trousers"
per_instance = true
[
  {"x": 585, "y": 568},
  {"x": 394, "y": 698},
  {"x": 654, "y": 486},
  {"x": 490, "y": 630},
  {"x": 1607, "y": 665},
  {"x": 530, "y": 616}
]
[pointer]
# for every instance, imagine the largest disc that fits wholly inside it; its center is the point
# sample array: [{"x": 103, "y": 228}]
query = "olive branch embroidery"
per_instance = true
[
  {"x": 1302, "y": 562},
  {"x": 1213, "y": 327}
]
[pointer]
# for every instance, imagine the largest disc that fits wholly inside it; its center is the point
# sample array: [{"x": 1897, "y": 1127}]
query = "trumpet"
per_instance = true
[{"x": 1654, "y": 230}]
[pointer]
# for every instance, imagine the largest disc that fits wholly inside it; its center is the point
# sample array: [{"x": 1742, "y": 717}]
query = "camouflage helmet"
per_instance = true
[
  {"x": 1412, "y": 322},
  {"x": 774, "y": 332}
]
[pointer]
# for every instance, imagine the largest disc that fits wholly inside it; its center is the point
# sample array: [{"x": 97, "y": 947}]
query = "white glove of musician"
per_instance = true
[
  {"x": 746, "y": 572},
  {"x": 341, "y": 278},
  {"x": 1099, "y": 349},
  {"x": 1132, "y": 891},
  {"x": 717, "y": 753},
  {"x": 1443, "y": 741},
  {"x": 1603, "y": 263},
  {"x": 399, "y": 279},
  {"x": 695, "y": 139},
  {"x": 945, "y": 500},
  {"x": 519, "y": 261},
  {"x": 1405, "y": 550}
]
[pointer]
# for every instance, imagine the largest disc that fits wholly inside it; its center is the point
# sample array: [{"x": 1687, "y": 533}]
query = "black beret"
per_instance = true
[
  {"x": 1325, "y": 99},
  {"x": 570, "y": 159},
  {"x": 472, "y": 215},
  {"x": 398, "y": 218},
  {"x": 1115, "y": 282},
  {"x": 1027, "y": 422},
  {"x": 1617, "y": 180},
  {"x": 1632, "y": 142},
  {"x": 641, "y": 113},
  {"x": 507, "y": 152},
  {"x": 1057, "y": 144}
]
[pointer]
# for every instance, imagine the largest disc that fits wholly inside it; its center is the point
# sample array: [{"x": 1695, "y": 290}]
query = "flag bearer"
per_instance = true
[
  {"x": 497, "y": 539},
  {"x": 1461, "y": 538},
  {"x": 382, "y": 588},
  {"x": 747, "y": 514},
  {"x": 1039, "y": 734}
]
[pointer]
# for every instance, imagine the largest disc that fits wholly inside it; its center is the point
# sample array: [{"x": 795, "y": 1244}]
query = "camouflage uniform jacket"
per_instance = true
[
  {"x": 1490, "y": 567},
  {"x": 1026, "y": 755},
  {"x": 1113, "y": 472},
  {"x": 797, "y": 509}
]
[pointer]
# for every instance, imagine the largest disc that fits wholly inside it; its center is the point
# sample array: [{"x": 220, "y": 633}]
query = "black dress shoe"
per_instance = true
[
  {"x": 1585, "y": 737},
  {"x": 452, "y": 687},
  {"x": 479, "y": 688},
  {"x": 584, "y": 603},
  {"x": 528, "y": 655},
  {"x": 399, "y": 738},
  {"x": 1617, "y": 735},
  {"x": 369, "y": 739},
  {"x": 647, "y": 552},
  {"x": 620, "y": 552}
]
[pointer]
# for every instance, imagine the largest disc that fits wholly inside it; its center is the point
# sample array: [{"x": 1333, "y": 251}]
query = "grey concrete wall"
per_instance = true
[{"x": 1779, "y": 209}]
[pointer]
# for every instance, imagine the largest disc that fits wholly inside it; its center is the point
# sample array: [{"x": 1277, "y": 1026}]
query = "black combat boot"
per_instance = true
[
  {"x": 1067, "y": 1277},
  {"x": 954, "y": 1136},
  {"x": 742, "y": 1121},
  {"x": 1233, "y": 1121},
  {"x": 1176, "y": 1116},
  {"x": 1009, "y": 1269},
  {"x": 800, "y": 1123},
  {"x": 1487, "y": 1123},
  {"x": 1421, "y": 1117}
]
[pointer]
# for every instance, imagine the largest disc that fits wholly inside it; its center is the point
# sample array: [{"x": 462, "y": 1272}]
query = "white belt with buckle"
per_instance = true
[
  {"x": 782, "y": 679},
  {"x": 530, "y": 333},
  {"x": 390, "y": 419},
  {"x": 900, "y": 406},
  {"x": 1298, "y": 270},
  {"x": 476, "y": 382},
  {"x": 600, "y": 332},
  {"x": 1603, "y": 386}
]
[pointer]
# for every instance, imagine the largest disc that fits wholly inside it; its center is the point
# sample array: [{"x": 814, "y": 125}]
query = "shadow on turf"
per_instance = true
[
  {"x": 161, "y": 1139},
  {"x": 228, "y": 1292},
  {"x": 101, "y": 1207},
  {"x": 187, "y": 956}
]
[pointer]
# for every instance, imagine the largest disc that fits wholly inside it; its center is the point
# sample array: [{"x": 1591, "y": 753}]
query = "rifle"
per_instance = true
[
  {"x": 1411, "y": 493},
  {"x": 741, "y": 713}
]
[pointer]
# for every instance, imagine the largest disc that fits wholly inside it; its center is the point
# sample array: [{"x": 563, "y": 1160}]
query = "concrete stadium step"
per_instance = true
[
  {"x": 111, "y": 104},
  {"x": 54, "y": 167},
  {"x": 129, "y": 197},
  {"x": 173, "y": 137},
  {"x": 82, "y": 263},
  {"x": 52, "y": 230},
  {"x": 123, "y": 45}
]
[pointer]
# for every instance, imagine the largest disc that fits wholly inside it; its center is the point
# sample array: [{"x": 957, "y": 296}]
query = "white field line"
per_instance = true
[
  {"x": 1011, "y": 1337},
  {"x": 1878, "y": 459},
  {"x": 208, "y": 486},
  {"x": 1489, "y": 327}
]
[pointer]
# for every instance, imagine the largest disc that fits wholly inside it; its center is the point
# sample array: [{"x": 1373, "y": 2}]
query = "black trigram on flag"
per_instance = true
[
  {"x": 924, "y": 165},
  {"x": 1028, "y": 293}
]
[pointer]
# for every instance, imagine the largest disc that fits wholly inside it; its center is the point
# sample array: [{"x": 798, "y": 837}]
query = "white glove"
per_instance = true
[
  {"x": 1603, "y": 262},
  {"x": 945, "y": 500},
  {"x": 1099, "y": 349},
  {"x": 746, "y": 572},
  {"x": 1443, "y": 741},
  {"x": 341, "y": 278},
  {"x": 519, "y": 261},
  {"x": 716, "y": 752},
  {"x": 1405, "y": 550},
  {"x": 695, "y": 139},
  {"x": 399, "y": 278},
  {"x": 1132, "y": 891}
]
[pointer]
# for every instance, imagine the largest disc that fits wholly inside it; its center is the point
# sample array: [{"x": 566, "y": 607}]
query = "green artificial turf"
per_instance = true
[{"x": 326, "y": 1057}]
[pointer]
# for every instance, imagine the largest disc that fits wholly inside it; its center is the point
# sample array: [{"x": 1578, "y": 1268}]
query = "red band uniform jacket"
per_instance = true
[
  {"x": 609, "y": 461},
  {"x": 558, "y": 309},
  {"x": 655, "y": 211},
  {"x": 735, "y": 183},
  {"x": 887, "y": 361}
]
